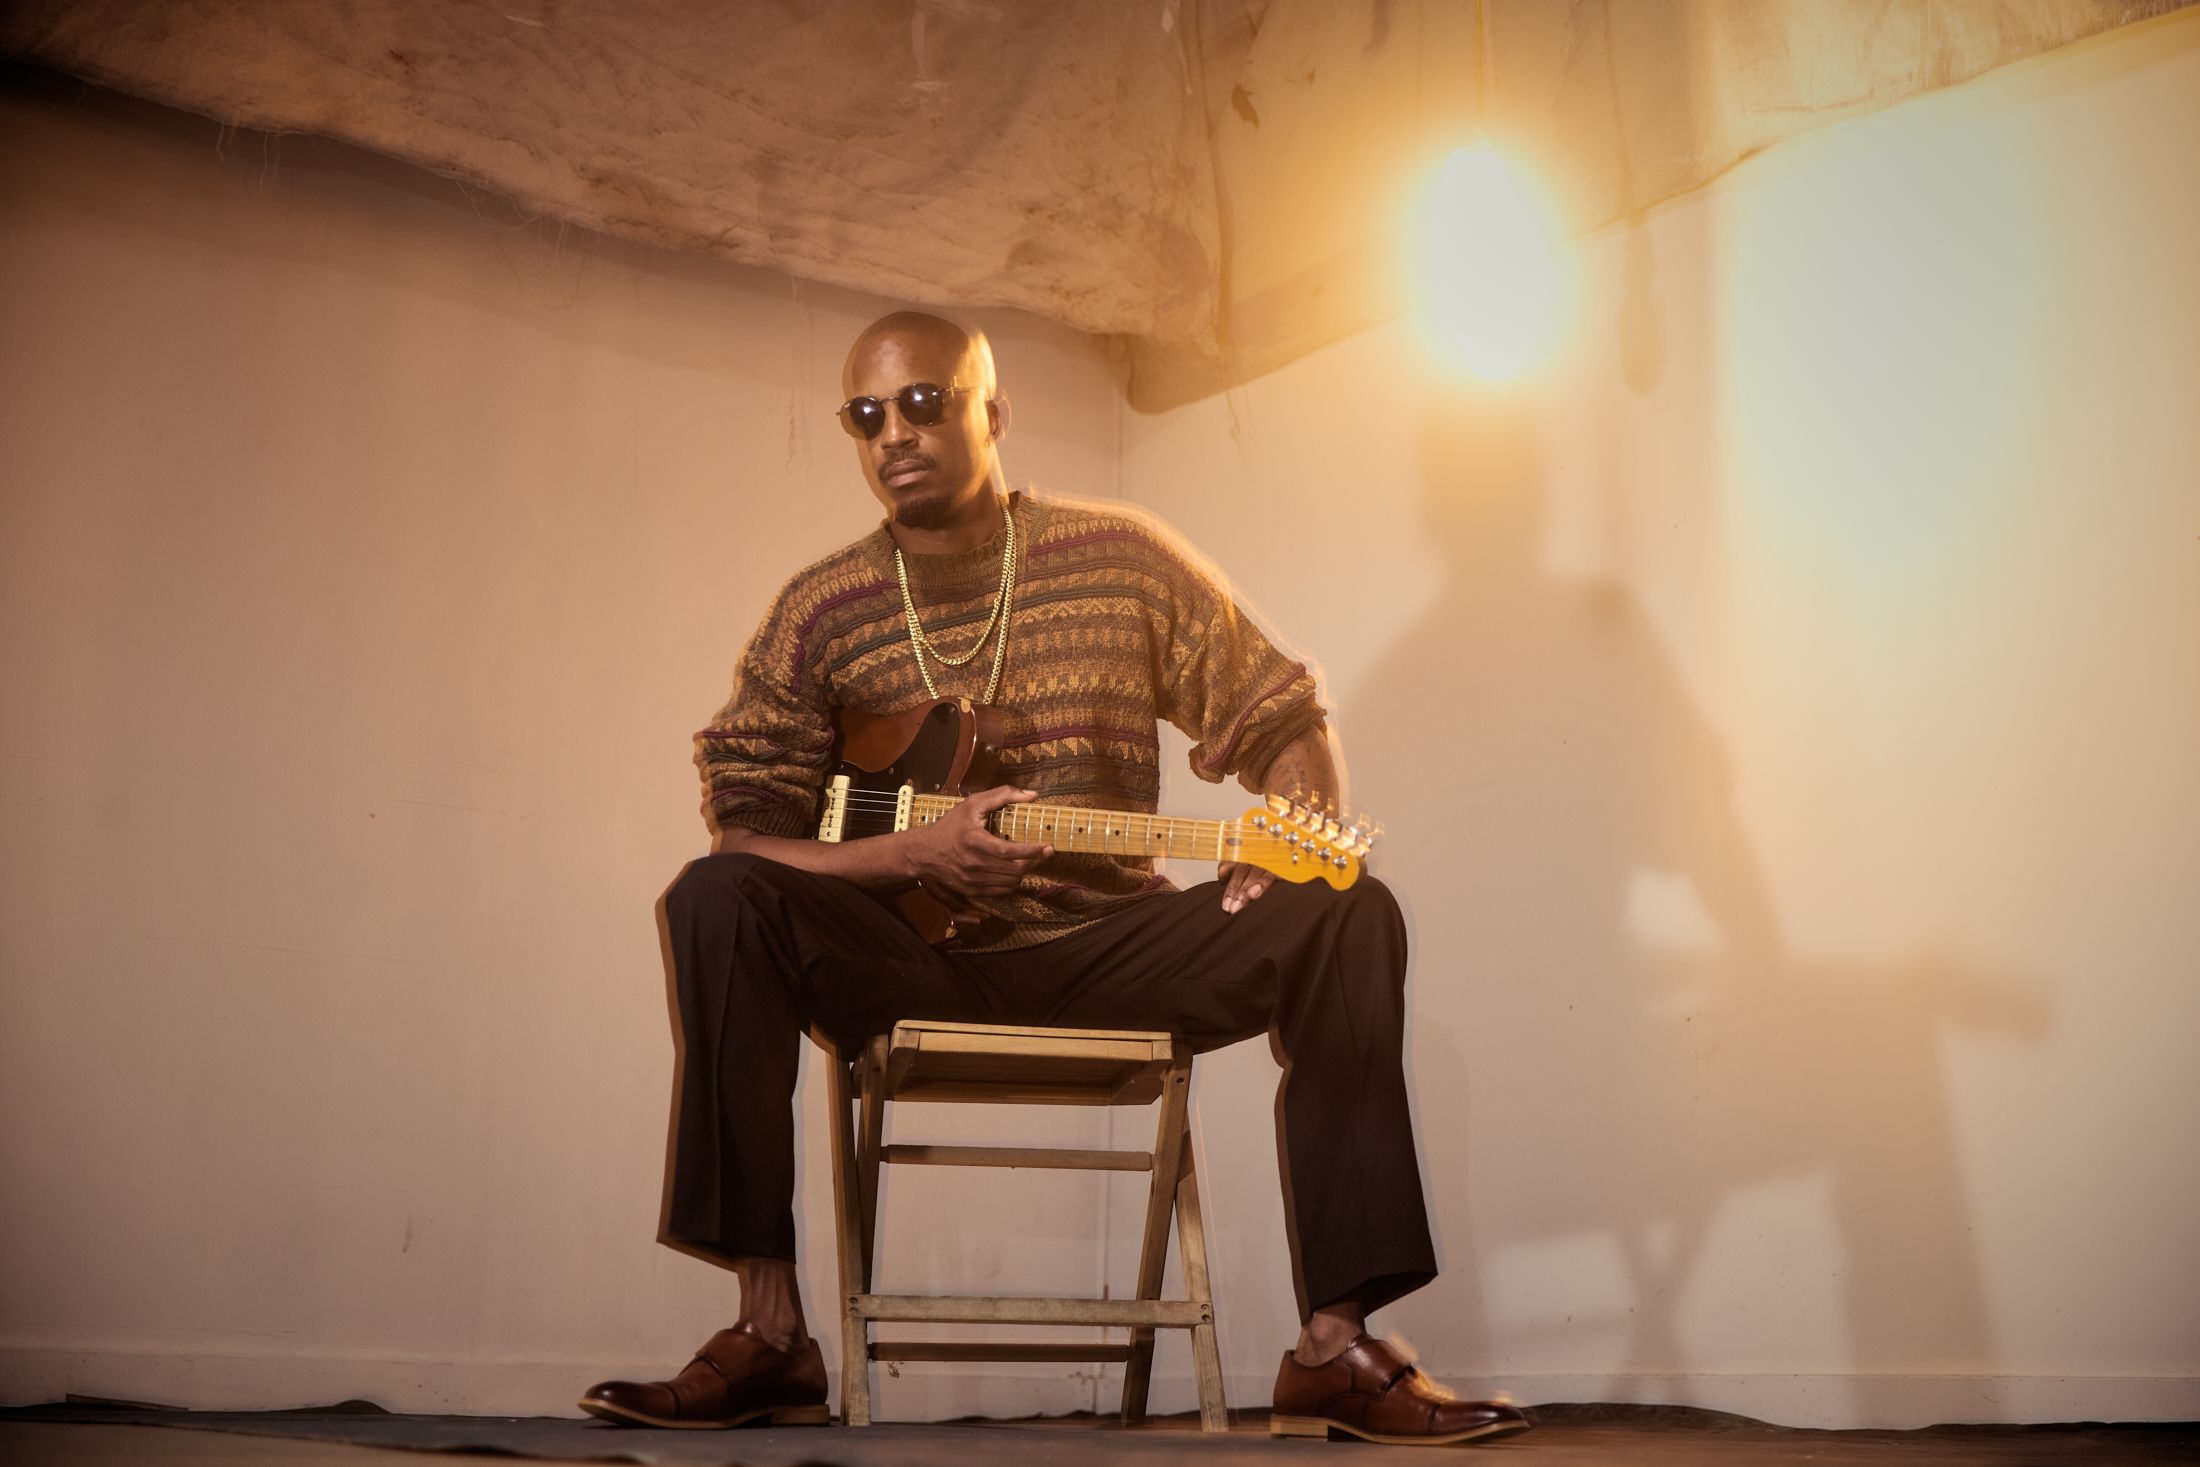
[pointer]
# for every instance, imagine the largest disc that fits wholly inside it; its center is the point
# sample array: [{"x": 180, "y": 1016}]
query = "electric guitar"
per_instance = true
[{"x": 909, "y": 769}]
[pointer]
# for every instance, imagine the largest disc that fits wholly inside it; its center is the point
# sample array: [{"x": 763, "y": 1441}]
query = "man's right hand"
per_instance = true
[{"x": 959, "y": 860}]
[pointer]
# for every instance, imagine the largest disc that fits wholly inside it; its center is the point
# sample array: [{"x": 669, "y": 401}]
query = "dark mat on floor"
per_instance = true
[{"x": 1568, "y": 1434}]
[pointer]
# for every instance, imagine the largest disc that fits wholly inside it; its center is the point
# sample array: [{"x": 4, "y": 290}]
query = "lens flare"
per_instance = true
[{"x": 1486, "y": 263}]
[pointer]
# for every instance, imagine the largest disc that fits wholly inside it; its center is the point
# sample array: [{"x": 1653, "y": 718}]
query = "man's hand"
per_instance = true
[
  {"x": 959, "y": 860},
  {"x": 1301, "y": 770},
  {"x": 1241, "y": 884},
  {"x": 956, "y": 858}
]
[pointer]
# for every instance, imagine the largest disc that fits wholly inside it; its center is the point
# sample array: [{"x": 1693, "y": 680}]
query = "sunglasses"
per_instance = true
[{"x": 922, "y": 404}]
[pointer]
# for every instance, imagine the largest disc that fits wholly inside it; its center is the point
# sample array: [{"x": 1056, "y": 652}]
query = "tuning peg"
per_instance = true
[
  {"x": 1278, "y": 805},
  {"x": 1331, "y": 826}
]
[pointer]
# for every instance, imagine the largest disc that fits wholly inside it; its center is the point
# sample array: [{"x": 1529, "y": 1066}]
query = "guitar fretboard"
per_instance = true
[{"x": 1108, "y": 832}]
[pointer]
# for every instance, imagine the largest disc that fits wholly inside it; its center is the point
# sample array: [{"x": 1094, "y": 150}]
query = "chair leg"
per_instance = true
[
  {"x": 1153, "y": 1256},
  {"x": 855, "y": 1344},
  {"x": 1137, "y": 1376},
  {"x": 1191, "y": 1239},
  {"x": 868, "y": 1150}
]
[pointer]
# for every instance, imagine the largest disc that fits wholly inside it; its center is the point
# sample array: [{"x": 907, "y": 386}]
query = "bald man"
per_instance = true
[{"x": 1084, "y": 625}]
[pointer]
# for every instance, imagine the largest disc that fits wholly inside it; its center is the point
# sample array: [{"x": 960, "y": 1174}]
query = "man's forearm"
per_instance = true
[
  {"x": 881, "y": 863},
  {"x": 1302, "y": 769}
]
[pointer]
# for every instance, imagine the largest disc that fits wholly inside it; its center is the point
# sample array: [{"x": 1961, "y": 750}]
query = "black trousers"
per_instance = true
[{"x": 762, "y": 952}]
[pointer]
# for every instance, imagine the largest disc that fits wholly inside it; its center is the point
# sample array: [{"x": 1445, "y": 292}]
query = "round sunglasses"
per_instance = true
[{"x": 922, "y": 404}]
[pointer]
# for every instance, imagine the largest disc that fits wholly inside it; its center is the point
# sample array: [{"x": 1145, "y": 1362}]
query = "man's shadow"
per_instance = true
[{"x": 1612, "y": 1042}]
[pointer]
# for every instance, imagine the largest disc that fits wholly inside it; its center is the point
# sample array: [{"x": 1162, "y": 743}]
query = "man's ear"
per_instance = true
[{"x": 998, "y": 415}]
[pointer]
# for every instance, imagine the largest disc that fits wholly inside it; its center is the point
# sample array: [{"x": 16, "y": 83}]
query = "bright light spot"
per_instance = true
[{"x": 1486, "y": 265}]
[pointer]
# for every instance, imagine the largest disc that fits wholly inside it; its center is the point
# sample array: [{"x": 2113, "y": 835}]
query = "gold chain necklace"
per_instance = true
[{"x": 919, "y": 643}]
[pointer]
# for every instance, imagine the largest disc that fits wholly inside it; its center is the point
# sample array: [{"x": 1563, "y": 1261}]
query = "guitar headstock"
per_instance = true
[{"x": 1299, "y": 842}]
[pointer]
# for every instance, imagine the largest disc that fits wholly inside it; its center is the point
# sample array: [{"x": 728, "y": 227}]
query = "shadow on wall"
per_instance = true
[{"x": 1657, "y": 1142}]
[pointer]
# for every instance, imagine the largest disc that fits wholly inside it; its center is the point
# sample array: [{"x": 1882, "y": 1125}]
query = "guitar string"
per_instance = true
[
  {"x": 880, "y": 797},
  {"x": 873, "y": 797},
  {"x": 856, "y": 797},
  {"x": 861, "y": 800},
  {"x": 873, "y": 801},
  {"x": 881, "y": 800},
  {"x": 1220, "y": 833},
  {"x": 1180, "y": 827}
]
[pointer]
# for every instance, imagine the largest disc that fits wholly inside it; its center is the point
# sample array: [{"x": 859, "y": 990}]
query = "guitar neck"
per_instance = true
[{"x": 1106, "y": 832}]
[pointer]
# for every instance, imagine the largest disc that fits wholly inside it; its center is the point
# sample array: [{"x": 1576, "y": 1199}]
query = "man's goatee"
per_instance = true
[{"x": 925, "y": 512}]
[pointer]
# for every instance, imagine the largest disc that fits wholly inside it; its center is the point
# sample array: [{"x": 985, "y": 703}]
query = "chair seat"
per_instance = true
[{"x": 991, "y": 1064}]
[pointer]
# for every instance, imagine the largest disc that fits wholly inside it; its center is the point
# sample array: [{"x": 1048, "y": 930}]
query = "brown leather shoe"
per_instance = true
[
  {"x": 735, "y": 1378},
  {"x": 1377, "y": 1394}
]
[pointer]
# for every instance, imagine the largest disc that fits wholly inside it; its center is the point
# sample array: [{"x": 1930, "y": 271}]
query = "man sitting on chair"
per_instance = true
[{"x": 1084, "y": 624}]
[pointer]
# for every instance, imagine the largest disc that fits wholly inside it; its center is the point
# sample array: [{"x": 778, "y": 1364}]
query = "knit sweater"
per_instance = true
[{"x": 1116, "y": 625}]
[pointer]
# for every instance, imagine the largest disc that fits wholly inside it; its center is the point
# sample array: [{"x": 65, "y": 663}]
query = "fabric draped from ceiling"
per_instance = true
[{"x": 1218, "y": 184}]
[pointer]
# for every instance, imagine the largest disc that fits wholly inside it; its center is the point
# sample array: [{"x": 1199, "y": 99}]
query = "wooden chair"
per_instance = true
[{"x": 993, "y": 1065}]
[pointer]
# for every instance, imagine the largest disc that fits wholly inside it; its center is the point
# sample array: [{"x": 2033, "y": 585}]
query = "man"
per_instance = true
[{"x": 1084, "y": 624}]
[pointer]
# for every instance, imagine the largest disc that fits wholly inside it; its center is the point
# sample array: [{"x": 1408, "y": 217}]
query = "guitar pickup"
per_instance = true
[{"x": 835, "y": 819}]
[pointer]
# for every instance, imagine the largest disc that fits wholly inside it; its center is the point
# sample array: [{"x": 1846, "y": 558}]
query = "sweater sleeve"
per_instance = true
[
  {"x": 1223, "y": 682},
  {"x": 764, "y": 756}
]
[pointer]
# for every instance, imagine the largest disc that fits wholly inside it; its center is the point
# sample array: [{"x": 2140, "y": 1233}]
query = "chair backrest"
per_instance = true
[{"x": 1021, "y": 1065}]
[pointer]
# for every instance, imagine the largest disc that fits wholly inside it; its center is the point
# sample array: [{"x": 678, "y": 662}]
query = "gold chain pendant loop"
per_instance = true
[{"x": 920, "y": 643}]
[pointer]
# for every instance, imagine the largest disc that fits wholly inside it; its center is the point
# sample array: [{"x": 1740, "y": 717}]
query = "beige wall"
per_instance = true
[
  {"x": 1782, "y": 709},
  {"x": 368, "y": 563}
]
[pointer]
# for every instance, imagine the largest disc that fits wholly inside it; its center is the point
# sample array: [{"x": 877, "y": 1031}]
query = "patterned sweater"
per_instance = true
[{"x": 1116, "y": 626}]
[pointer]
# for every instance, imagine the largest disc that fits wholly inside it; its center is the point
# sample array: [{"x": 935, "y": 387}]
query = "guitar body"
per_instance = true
[
  {"x": 945, "y": 747},
  {"x": 904, "y": 770}
]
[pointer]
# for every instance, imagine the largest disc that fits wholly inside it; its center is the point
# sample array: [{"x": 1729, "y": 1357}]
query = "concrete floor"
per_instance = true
[{"x": 1573, "y": 1437}]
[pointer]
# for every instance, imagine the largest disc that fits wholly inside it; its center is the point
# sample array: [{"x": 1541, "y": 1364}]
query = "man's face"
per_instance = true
[{"x": 928, "y": 478}]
